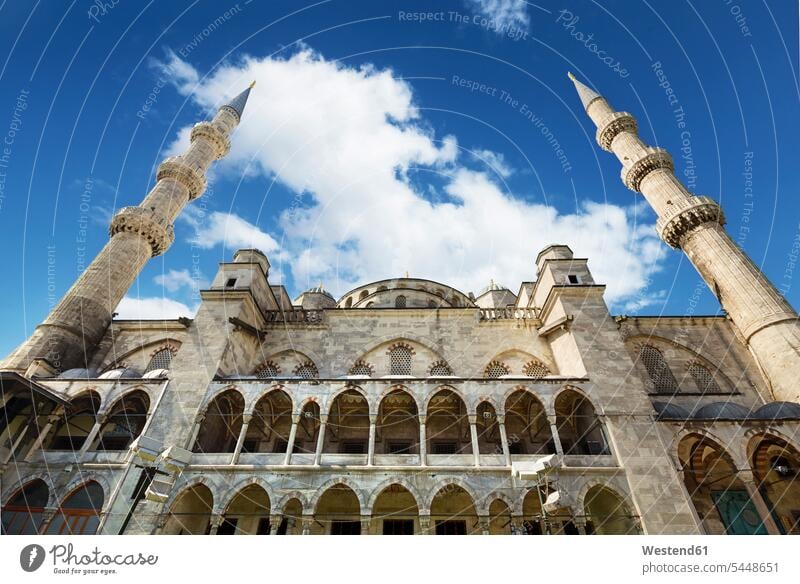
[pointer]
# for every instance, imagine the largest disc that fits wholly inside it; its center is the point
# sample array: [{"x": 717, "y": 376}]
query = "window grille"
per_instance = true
[
  {"x": 361, "y": 368},
  {"x": 536, "y": 369},
  {"x": 658, "y": 370},
  {"x": 267, "y": 371},
  {"x": 400, "y": 301},
  {"x": 496, "y": 369},
  {"x": 400, "y": 361},
  {"x": 306, "y": 371},
  {"x": 440, "y": 368},
  {"x": 160, "y": 360},
  {"x": 703, "y": 378}
]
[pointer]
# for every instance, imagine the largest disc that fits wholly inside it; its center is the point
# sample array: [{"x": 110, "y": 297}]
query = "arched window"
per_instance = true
[
  {"x": 361, "y": 368},
  {"x": 658, "y": 370},
  {"x": 536, "y": 369},
  {"x": 268, "y": 370},
  {"x": 440, "y": 368},
  {"x": 306, "y": 370},
  {"x": 364, "y": 294},
  {"x": 76, "y": 424},
  {"x": 496, "y": 369},
  {"x": 400, "y": 301},
  {"x": 703, "y": 378},
  {"x": 23, "y": 513},
  {"x": 80, "y": 513},
  {"x": 400, "y": 360},
  {"x": 161, "y": 359},
  {"x": 125, "y": 422},
  {"x": 349, "y": 302}
]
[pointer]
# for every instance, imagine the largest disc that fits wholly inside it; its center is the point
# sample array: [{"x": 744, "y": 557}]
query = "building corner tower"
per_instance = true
[
  {"x": 694, "y": 224},
  {"x": 69, "y": 334}
]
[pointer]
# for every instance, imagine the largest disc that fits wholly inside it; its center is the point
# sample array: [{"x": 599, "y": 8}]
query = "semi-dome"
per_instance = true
[
  {"x": 722, "y": 411},
  {"x": 319, "y": 290},
  {"x": 315, "y": 298},
  {"x": 78, "y": 373},
  {"x": 121, "y": 373},
  {"x": 670, "y": 411},
  {"x": 495, "y": 295},
  {"x": 405, "y": 293},
  {"x": 779, "y": 410}
]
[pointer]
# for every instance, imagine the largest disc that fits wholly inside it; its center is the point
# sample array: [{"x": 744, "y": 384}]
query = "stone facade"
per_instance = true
[{"x": 406, "y": 406}]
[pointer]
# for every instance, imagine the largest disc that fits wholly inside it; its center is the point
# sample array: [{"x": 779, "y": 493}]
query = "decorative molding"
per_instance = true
[
  {"x": 685, "y": 216},
  {"x": 612, "y": 126},
  {"x": 654, "y": 159},
  {"x": 177, "y": 169},
  {"x": 213, "y": 135},
  {"x": 147, "y": 224}
]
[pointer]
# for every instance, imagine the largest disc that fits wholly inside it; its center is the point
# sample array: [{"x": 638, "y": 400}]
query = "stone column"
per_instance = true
[
  {"x": 216, "y": 521},
  {"x": 423, "y": 442},
  {"x": 516, "y": 525},
  {"x": 161, "y": 521},
  {"x": 47, "y": 517},
  {"x": 556, "y": 438},
  {"x": 87, "y": 444},
  {"x": 17, "y": 440},
  {"x": 473, "y": 431},
  {"x": 323, "y": 423},
  {"x": 748, "y": 479},
  {"x": 37, "y": 444},
  {"x": 580, "y": 524},
  {"x": 501, "y": 423},
  {"x": 198, "y": 422},
  {"x": 366, "y": 524},
  {"x": 424, "y": 524},
  {"x": 242, "y": 434},
  {"x": 306, "y": 521},
  {"x": 371, "y": 447},
  {"x": 483, "y": 522},
  {"x": 274, "y": 524},
  {"x": 290, "y": 443}
]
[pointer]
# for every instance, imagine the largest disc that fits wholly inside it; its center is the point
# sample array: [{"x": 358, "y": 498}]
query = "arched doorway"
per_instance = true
[
  {"x": 308, "y": 429},
  {"x": 348, "y": 424},
  {"x": 291, "y": 516},
  {"x": 190, "y": 514},
  {"x": 79, "y": 514},
  {"x": 24, "y": 511},
  {"x": 247, "y": 513},
  {"x": 453, "y": 512},
  {"x": 607, "y": 513},
  {"x": 269, "y": 427},
  {"x": 533, "y": 518},
  {"x": 579, "y": 428},
  {"x": 76, "y": 423},
  {"x": 719, "y": 496},
  {"x": 338, "y": 512},
  {"x": 776, "y": 471},
  {"x": 527, "y": 426},
  {"x": 447, "y": 428},
  {"x": 395, "y": 512},
  {"x": 219, "y": 430},
  {"x": 397, "y": 427},
  {"x": 499, "y": 518},
  {"x": 125, "y": 421}
]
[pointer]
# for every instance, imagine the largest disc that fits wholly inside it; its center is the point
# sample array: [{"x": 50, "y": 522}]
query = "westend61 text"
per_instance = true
[{"x": 692, "y": 550}]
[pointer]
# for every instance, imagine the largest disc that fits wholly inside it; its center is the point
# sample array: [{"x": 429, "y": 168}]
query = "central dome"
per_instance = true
[{"x": 405, "y": 293}]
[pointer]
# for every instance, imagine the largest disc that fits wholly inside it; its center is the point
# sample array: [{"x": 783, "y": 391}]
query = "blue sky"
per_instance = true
[{"x": 439, "y": 139}]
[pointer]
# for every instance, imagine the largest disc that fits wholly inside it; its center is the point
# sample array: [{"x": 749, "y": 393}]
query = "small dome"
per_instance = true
[
  {"x": 156, "y": 374},
  {"x": 493, "y": 287},
  {"x": 319, "y": 290},
  {"x": 670, "y": 411},
  {"x": 722, "y": 411},
  {"x": 78, "y": 373},
  {"x": 122, "y": 373},
  {"x": 779, "y": 410}
]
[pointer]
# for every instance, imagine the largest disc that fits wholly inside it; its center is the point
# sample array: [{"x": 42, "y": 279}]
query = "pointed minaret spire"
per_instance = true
[
  {"x": 68, "y": 336},
  {"x": 586, "y": 94},
  {"x": 237, "y": 103},
  {"x": 694, "y": 224}
]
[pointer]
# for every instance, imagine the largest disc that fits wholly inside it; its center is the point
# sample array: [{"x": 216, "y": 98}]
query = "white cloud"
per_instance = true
[
  {"x": 345, "y": 137},
  {"x": 152, "y": 308},
  {"x": 174, "y": 280},
  {"x": 495, "y": 161},
  {"x": 506, "y": 14},
  {"x": 227, "y": 229}
]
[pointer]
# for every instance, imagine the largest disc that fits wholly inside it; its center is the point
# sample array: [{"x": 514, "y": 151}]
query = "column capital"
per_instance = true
[{"x": 422, "y": 418}]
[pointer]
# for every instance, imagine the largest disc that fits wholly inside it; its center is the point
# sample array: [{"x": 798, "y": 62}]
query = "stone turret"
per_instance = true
[
  {"x": 69, "y": 334},
  {"x": 694, "y": 224}
]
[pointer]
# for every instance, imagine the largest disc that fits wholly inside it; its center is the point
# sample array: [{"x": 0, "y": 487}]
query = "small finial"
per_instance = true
[
  {"x": 406, "y": 273},
  {"x": 321, "y": 287},
  {"x": 253, "y": 84},
  {"x": 569, "y": 74}
]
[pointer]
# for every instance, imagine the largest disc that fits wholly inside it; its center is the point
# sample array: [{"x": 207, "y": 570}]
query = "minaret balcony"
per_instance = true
[
  {"x": 177, "y": 169},
  {"x": 214, "y": 135},
  {"x": 150, "y": 226},
  {"x": 653, "y": 159},
  {"x": 612, "y": 126},
  {"x": 683, "y": 216}
]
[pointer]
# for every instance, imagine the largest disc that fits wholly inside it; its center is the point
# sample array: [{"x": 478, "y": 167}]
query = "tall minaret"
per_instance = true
[
  {"x": 767, "y": 323},
  {"x": 68, "y": 335}
]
